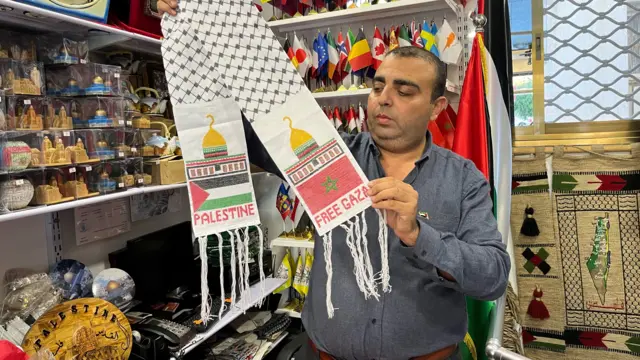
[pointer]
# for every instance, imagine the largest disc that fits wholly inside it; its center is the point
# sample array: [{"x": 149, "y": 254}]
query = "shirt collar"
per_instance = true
[{"x": 425, "y": 154}]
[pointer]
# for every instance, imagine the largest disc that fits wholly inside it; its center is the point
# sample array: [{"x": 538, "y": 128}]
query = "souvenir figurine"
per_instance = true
[
  {"x": 64, "y": 57},
  {"x": 105, "y": 184},
  {"x": 98, "y": 87},
  {"x": 30, "y": 120},
  {"x": 79, "y": 153},
  {"x": 50, "y": 193},
  {"x": 8, "y": 79},
  {"x": 35, "y": 78},
  {"x": 78, "y": 188},
  {"x": 3, "y": 120},
  {"x": 75, "y": 116},
  {"x": 72, "y": 89},
  {"x": 103, "y": 151},
  {"x": 51, "y": 155},
  {"x": 4, "y": 54},
  {"x": 62, "y": 121},
  {"x": 141, "y": 123},
  {"x": 100, "y": 119}
]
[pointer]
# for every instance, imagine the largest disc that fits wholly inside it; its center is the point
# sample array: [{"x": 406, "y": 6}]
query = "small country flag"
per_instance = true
[
  {"x": 289, "y": 50},
  {"x": 283, "y": 203},
  {"x": 360, "y": 56}
]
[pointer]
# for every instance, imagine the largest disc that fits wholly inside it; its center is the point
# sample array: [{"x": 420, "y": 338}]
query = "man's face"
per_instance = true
[{"x": 400, "y": 105}]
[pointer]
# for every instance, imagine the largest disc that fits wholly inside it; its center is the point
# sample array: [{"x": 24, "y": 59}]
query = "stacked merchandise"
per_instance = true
[
  {"x": 297, "y": 275},
  {"x": 286, "y": 9},
  {"x": 332, "y": 58},
  {"x": 70, "y": 141}
]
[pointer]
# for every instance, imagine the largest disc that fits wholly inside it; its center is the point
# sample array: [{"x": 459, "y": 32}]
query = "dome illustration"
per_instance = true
[
  {"x": 301, "y": 142},
  {"x": 213, "y": 144}
]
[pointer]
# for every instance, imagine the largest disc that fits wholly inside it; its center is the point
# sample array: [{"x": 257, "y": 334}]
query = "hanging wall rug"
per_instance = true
[{"x": 221, "y": 58}]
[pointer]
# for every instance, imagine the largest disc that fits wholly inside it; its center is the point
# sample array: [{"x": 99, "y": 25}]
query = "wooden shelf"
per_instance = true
[
  {"x": 350, "y": 16},
  {"x": 451, "y": 88}
]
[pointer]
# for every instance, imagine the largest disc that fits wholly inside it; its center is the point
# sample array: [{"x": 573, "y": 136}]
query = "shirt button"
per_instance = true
[{"x": 373, "y": 321}]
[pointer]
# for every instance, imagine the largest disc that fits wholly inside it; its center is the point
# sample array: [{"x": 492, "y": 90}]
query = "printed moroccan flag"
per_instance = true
[
  {"x": 360, "y": 55},
  {"x": 289, "y": 50}
]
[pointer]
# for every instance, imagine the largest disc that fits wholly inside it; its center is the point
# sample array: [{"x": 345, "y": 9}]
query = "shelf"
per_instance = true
[
  {"x": 287, "y": 242},
  {"x": 450, "y": 88},
  {"x": 100, "y": 35},
  {"x": 270, "y": 285},
  {"x": 351, "y": 16},
  {"x": 82, "y": 202}
]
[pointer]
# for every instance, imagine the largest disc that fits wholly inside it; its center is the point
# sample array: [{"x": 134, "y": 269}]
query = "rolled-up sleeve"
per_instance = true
[{"x": 475, "y": 256}]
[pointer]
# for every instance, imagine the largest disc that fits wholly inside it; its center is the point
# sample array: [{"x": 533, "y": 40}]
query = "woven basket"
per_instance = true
[{"x": 15, "y": 194}]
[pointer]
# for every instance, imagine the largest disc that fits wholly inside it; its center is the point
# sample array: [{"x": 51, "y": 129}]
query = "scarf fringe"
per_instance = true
[
  {"x": 205, "y": 304},
  {"x": 246, "y": 296},
  {"x": 356, "y": 239},
  {"x": 221, "y": 260},
  {"x": 233, "y": 268},
  {"x": 261, "y": 265},
  {"x": 326, "y": 242}
]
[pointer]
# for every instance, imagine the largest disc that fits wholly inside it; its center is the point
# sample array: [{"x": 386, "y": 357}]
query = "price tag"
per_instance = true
[
  {"x": 140, "y": 181},
  {"x": 120, "y": 122},
  {"x": 129, "y": 123},
  {"x": 72, "y": 170},
  {"x": 135, "y": 150},
  {"x": 66, "y": 133},
  {"x": 121, "y": 154},
  {"x": 19, "y": 182},
  {"x": 87, "y": 168},
  {"x": 27, "y": 102},
  {"x": 120, "y": 185},
  {"x": 116, "y": 75}
]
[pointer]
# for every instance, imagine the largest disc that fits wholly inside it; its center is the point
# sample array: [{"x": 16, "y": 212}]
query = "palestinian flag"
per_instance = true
[{"x": 483, "y": 134}]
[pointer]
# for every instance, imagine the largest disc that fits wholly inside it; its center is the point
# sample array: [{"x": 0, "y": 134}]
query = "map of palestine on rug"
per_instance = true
[{"x": 596, "y": 214}]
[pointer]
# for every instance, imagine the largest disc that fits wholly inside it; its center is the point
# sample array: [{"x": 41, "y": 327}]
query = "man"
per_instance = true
[{"x": 444, "y": 244}]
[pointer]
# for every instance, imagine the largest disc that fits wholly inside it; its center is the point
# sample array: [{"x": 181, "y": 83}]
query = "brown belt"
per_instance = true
[{"x": 441, "y": 354}]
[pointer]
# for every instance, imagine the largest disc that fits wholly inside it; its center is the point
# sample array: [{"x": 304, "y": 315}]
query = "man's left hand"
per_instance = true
[{"x": 400, "y": 201}]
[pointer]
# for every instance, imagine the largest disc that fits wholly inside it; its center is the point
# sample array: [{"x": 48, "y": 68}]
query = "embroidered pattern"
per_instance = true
[
  {"x": 536, "y": 260},
  {"x": 619, "y": 182},
  {"x": 529, "y": 183},
  {"x": 544, "y": 340},
  {"x": 621, "y": 342}
]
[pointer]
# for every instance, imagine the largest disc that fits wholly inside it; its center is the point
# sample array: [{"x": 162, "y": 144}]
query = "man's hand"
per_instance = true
[
  {"x": 400, "y": 201},
  {"x": 167, "y": 6}
]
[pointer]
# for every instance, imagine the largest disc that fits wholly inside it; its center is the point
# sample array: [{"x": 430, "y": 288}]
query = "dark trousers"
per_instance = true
[{"x": 306, "y": 352}]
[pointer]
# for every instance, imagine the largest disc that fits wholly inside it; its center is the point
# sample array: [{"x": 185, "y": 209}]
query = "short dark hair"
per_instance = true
[{"x": 440, "y": 67}]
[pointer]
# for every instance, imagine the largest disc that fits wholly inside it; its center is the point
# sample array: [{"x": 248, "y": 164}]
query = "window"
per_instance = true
[{"x": 575, "y": 62}]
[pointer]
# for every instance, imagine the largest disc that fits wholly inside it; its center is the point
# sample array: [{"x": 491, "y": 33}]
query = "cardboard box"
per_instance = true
[{"x": 167, "y": 170}]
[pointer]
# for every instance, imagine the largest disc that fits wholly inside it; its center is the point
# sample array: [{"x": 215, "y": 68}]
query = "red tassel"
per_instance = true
[{"x": 537, "y": 309}]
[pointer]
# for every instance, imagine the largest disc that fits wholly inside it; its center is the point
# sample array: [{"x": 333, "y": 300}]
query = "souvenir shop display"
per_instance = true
[
  {"x": 15, "y": 155},
  {"x": 58, "y": 114},
  {"x": 22, "y": 77},
  {"x": 83, "y": 79},
  {"x": 72, "y": 277},
  {"x": 17, "y": 46},
  {"x": 150, "y": 143},
  {"x": 100, "y": 112},
  {"x": 25, "y": 112},
  {"x": 351, "y": 119},
  {"x": 91, "y": 10},
  {"x": 28, "y": 295},
  {"x": 48, "y": 148},
  {"x": 16, "y": 191},
  {"x": 62, "y": 49},
  {"x": 104, "y": 144},
  {"x": 150, "y": 103},
  {"x": 102, "y": 333},
  {"x": 106, "y": 177},
  {"x": 135, "y": 168},
  {"x": 50, "y": 185}
]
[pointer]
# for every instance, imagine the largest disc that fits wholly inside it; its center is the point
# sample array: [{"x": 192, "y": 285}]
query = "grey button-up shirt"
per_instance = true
[{"x": 423, "y": 312}]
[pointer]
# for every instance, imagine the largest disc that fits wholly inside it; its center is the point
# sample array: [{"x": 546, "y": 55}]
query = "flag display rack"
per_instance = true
[
  {"x": 100, "y": 35},
  {"x": 450, "y": 88},
  {"x": 373, "y": 12}
]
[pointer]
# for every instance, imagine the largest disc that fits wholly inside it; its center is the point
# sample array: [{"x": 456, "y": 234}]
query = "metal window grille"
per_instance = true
[{"x": 591, "y": 60}]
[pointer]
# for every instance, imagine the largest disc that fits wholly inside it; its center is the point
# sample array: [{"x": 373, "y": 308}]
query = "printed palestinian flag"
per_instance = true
[
  {"x": 617, "y": 342},
  {"x": 529, "y": 183},
  {"x": 544, "y": 340},
  {"x": 570, "y": 182}
]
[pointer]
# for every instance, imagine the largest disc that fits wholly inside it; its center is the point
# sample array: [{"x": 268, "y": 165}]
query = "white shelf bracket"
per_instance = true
[{"x": 99, "y": 41}]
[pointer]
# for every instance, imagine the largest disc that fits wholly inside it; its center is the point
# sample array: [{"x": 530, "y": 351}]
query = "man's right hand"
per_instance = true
[{"x": 167, "y": 6}]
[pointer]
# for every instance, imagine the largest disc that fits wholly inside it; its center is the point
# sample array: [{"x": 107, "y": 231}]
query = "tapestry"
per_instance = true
[
  {"x": 221, "y": 196},
  {"x": 537, "y": 255},
  {"x": 237, "y": 56},
  {"x": 596, "y": 207}
]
